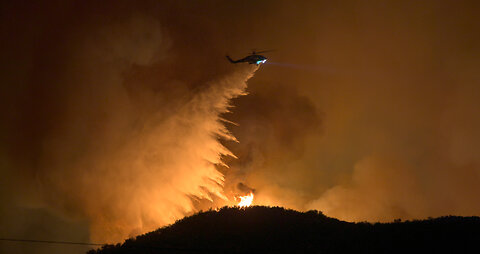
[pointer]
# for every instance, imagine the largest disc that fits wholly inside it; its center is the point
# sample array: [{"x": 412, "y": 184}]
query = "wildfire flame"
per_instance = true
[{"x": 245, "y": 201}]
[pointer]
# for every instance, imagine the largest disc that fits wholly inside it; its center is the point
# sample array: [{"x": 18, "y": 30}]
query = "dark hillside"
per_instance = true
[{"x": 276, "y": 230}]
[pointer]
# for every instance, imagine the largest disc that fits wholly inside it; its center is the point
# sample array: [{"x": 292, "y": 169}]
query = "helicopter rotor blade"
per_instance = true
[{"x": 265, "y": 51}]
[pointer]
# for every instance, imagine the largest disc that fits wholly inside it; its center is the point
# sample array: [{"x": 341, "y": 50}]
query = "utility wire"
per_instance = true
[
  {"x": 51, "y": 242},
  {"x": 101, "y": 244},
  {"x": 94, "y": 244}
]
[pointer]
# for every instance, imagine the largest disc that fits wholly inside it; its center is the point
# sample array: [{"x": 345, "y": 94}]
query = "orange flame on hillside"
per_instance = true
[{"x": 245, "y": 201}]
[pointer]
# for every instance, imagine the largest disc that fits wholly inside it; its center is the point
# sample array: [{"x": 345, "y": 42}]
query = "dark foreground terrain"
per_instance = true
[{"x": 276, "y": 230}]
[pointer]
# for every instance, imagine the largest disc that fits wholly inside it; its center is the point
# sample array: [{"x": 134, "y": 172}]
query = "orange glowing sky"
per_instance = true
[{"x": 119, "y": 117}]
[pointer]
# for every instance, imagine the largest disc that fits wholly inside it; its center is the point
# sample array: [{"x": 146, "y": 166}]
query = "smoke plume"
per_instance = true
[
  {"x": 368, "y": 113},
  {"x": 117, "y": 115},
  {"x": 90, "y": 140}
]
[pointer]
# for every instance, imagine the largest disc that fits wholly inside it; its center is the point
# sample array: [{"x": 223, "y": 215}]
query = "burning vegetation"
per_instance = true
[{"x": 245, "y": 201}]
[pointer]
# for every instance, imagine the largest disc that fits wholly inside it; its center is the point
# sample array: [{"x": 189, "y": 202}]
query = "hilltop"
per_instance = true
[{"x": 262, "y": 229}]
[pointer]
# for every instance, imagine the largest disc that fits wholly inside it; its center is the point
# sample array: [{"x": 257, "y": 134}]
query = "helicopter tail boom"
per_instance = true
[{"x": 231, "y": 60}]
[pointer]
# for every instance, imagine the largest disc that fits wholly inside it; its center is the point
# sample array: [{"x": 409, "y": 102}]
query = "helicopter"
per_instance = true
[{"x": 253, "y": 58}]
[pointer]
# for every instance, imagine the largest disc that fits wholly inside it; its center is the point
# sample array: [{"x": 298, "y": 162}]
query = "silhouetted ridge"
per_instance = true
[{"x": 262, "y": 229}]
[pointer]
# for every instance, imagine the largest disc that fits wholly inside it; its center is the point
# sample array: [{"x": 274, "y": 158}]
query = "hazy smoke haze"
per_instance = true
[
  {"x": 115, "y": 113},
  {"x": 89, "y": 140}
]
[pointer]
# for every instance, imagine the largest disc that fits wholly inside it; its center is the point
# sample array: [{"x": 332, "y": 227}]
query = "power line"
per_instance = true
[
  {"x": 101, "y": 244},
  {"x": 50, "y": 242}
]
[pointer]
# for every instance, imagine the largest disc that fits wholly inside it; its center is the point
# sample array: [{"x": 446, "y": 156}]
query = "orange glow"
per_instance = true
[{"x": 245, "y": 201}]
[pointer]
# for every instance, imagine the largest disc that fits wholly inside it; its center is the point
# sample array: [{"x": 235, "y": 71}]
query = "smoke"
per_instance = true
[
  {"x": 428, "y": 166},
  {"x": 91, "y": 140},
  {"x": 367, "y": 111},
  {"x": 115, "y": 115},
  {"x": 304, "y": 67}
]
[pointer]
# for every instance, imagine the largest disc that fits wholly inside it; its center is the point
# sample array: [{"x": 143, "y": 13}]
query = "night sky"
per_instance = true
[{"x": 119, "y": 117}]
